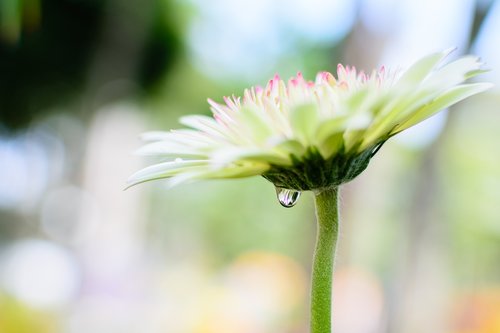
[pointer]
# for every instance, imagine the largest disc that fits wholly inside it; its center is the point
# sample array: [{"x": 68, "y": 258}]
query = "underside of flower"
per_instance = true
[
  {"x": 306, "y": 135},
  {"x": 314, "y": 172}
]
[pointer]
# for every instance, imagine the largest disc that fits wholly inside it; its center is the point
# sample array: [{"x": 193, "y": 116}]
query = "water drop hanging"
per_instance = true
[{"x": 287, "y": 198}]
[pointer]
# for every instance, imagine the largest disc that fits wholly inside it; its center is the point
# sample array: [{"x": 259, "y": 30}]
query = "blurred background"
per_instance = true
[{"x": 81, "y": 79}]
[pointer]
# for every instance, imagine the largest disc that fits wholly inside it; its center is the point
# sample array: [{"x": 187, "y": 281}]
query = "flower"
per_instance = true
[{"x": 304, "y": 135}]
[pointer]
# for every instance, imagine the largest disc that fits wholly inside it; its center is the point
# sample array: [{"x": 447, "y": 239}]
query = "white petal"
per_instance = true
[
  {"x": 304, "y": 120},
  {"x": 227, "y": 156},
  {"x": 419, "y": 71},
  {"x": 290, "y": 147},
  {"x": 402, "y": 104},
  {"x": 166, "y": 149},
  {"x": 453, "y": 73},
  {"x": 163, "y": 170},
  {"x": 448, "y": 98},
  {"x": 234, "y": 171},
  {"x": 254, "y": 125},
  {"x": 154, "y": 136},
  {"x": 204, "y": 124}
]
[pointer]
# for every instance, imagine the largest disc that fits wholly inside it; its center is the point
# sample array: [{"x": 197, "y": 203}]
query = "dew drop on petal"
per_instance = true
[
  {"x": 178, "y": 160},
  {"x": 287, "y": 198}
]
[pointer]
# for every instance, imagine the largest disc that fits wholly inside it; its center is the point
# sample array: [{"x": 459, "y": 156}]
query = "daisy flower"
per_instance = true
[{"x": 308, "y": 135}]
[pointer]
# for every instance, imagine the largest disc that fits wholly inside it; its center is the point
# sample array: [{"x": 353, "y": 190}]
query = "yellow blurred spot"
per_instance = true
[
  {"x": 260, "y": 292},
  {"x": 477, "y": 312},
  {"x": 15, "y": 317}
]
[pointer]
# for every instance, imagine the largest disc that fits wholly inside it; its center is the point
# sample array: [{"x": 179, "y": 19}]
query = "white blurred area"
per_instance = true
[
  {"x": 84, "y": 257},
  {"x": 40, "y": 273}
]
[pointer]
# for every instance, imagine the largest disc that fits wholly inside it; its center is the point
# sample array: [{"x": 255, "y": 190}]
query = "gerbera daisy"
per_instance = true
[{"x": 305, "y": 135}]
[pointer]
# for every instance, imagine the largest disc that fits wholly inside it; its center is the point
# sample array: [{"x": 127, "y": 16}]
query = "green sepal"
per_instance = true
[{"x": 312, "y": 172}]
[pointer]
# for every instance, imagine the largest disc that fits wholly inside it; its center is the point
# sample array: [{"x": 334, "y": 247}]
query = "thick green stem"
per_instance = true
[{"x": 321, "y": 291}]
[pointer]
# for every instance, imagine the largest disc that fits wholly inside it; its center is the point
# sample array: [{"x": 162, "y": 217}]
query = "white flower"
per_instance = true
[{"x": 306, "y": 135}]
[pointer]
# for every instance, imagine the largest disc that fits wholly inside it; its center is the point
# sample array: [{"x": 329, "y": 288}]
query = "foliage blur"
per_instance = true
[{"x": 81, "y": 79}]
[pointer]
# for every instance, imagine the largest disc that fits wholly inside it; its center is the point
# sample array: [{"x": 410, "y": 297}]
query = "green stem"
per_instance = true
[{"x": 321, "y": 291}]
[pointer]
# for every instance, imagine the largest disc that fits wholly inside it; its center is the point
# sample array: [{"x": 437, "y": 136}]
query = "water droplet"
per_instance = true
[
  {"x": 287, "y": 198},
  {"x": 178, "y": 160}
]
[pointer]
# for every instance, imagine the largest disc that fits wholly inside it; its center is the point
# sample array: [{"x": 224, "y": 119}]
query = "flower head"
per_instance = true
[{"x": 305, "y": 135}]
